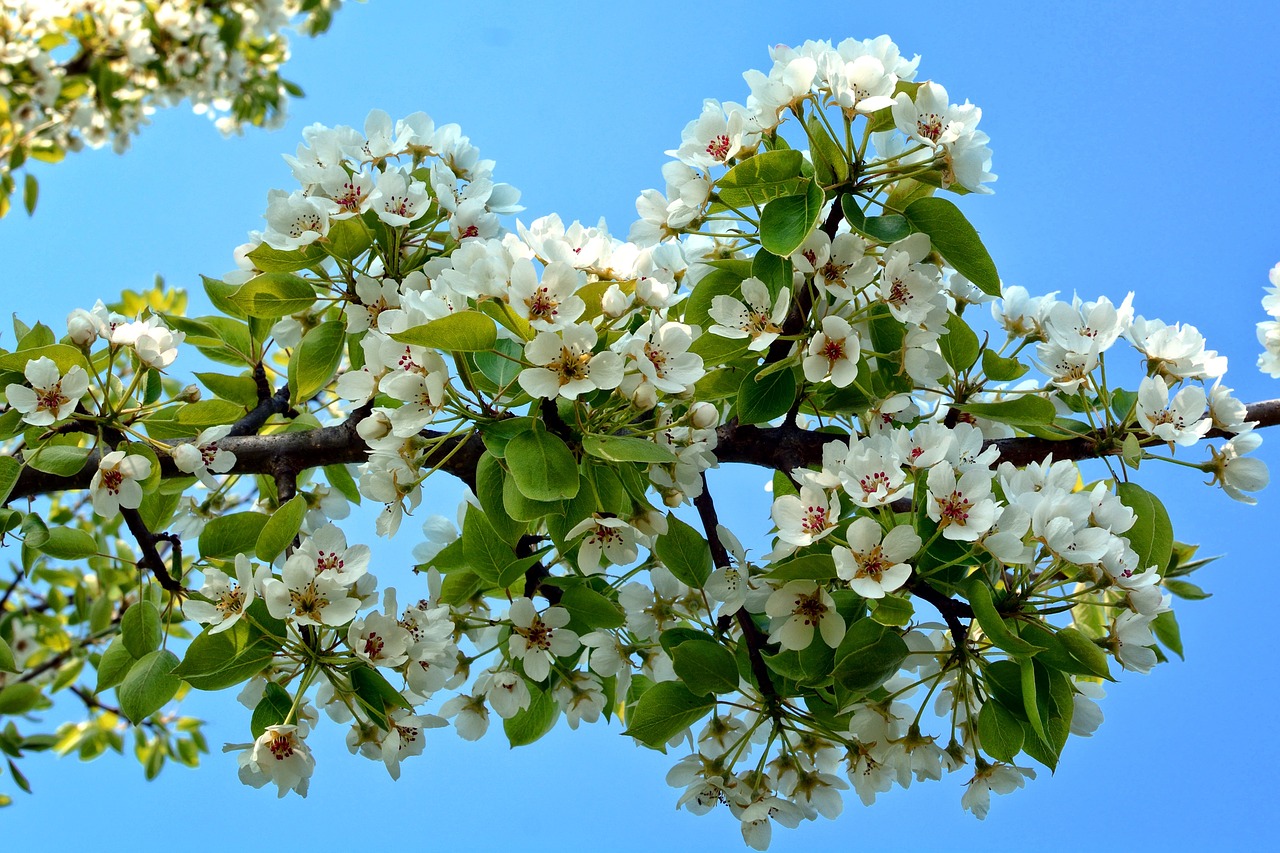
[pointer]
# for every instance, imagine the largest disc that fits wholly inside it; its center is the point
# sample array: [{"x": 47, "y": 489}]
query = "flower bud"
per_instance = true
[
  {"x": 704, "y": 415},
  {"x": 614, "y": 303},
  {"x": 377, "y": 425},
  {"x": 81, "y": 328},
  {"x": 644, "y": 397},
  {"x": 190, "y": 394},
  {"x": 672, "y": 497}
]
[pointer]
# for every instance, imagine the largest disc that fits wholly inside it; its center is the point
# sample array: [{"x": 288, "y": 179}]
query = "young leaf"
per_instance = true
[
  {"x": 1151, "y": 535},
  {"x": 141, "y": 629},
  {"x": 315, "y": 359},
  {"x": 683, "y": 550},
  {"x": 542, "y": 465},
  {"x": 786, "y": 222},
  {"x": 530, "y": 724},
  {"x": 665, "y": 710},
  {"x": 761, "y": 179},
  {"x": 465, "y": 331},
  {"x": 763, "y": 398},
  {"x": 149, "y": 684},
  {"x": 272, "y": 709},
  {"x": 705, "y": 668},
  {"x": 956, "y": 240},
  {"x": 280, "y": 529}
]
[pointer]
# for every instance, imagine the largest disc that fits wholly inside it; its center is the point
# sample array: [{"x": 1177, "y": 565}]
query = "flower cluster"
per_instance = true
[
  {"x": 806, "y": 312},
  {"x": 130, "y": 57}
]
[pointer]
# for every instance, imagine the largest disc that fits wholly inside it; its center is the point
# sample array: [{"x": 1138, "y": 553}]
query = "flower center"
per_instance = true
[{"x": 718, "y": 147}]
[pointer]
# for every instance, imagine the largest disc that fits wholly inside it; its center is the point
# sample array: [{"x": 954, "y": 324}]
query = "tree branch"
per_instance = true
[{"x": 751, "y": 634}]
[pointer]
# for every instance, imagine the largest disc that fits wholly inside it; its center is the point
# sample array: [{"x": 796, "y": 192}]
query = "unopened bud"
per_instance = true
[
  {"x": 614, "y": 303},
  {"x": 190, "y": 394},
  {"x": 673, "y": 497},
  {"x": 644, "y": 397},
  {"x": 81, "y": 328},
  {"x": 704, "y": 415},
  {"x": 377, "y": 425}
]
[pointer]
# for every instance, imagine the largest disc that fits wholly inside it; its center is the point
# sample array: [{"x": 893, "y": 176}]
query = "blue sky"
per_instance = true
[{"x": 1134, "y": 147}]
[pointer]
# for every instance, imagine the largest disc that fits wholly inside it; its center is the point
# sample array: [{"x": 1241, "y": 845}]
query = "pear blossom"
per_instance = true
[
  {"x": 759, "y": 318},
  {"x": 607, "y": 537},
  {"x": 115, "y": 483},
  {"x": 398, "y": 198},
  {"x": 804, "y": 519},
  {"x": 52, "y": 396},
  {"x": 1001, "y": 778},
  {"x": 227, "y": 602},
  {"x": 833, "y": 353},
  {"x": 203, "y": 457},
  {"x": 565, "y": 366},
  {"x": 1181, "y": 421},
  {"x": 875, "y": 563},
  {"x": 551, "y": 303},
  {"x": 307, "y": 597},
  {"x": 537, "y": 639},
  {"x": 799, "y": 607},
  {"x": 1234, "y": 471},
  {"x": 962, "y": 505},
  {"x": 279, "y": 755},
  {"x": 296, "y": 219}
]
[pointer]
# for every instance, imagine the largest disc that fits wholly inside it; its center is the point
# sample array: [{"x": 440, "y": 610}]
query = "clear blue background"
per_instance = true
[{"x": 1135, "y": 147}]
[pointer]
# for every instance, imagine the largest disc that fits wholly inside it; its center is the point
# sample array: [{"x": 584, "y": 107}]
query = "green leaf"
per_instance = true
[
  {"x": 7, "y": 661},
  {"x": 786, "y": 222},
  {"x": 65, "y": 357},
  {"x": 1151, "y": 535},
  {"x": 683, "y": 550},
  {"x": 141, "y": 629},
  {"x": 486, "y": 554},
  {"x": 1086, "y": 651},
  {"x": 621, "y": 448},
  {"x": 496, "y": 434},
  {"x": 868, "y": 654},
  {"x": 69, "y": 543},
  {"x": 218, "y": 661},
  {"x": 30, "y": 194},
  {"x": 705, "y": 668},
  {"x": 542, "y": 465},
  {"x": 1056, "y": 707},
  {"x": 268, "y": 259},
  {"x": 376, "y": 695},
  {"x": 465, "y": 331},
  {"x": 1165, "y": 627},
  {"x": 775, "y": 272},
  {"x": 1186, "y": 590},
  {"x": 503, "y": 369},
  {"x": 993, "y": 624},
  {"x": 280, "y": 529},
  {"x": 530, "y": 724},
  {"x": 999, "y": 368},
  {"x": 590, "y": 610},
  {"x": 149, "y": 685},
  {"x": 272, "y": 709},
  {"x": 809, "y": 567},
  {"x": 1000, "y": 731},
  {"x": 959, "y": 345},
  {"x": 19, "y": 698},
  {"x": 893, "y": 611},
  {"x": 207, "y": 413},
  {"x": 316, "y": 359},
  {"x": 59, "y": 459},
  {"x": 113, "y": 665},
  {"x": 1027, "y": 673},
  {"x": 883, "y": 229},
  {"x": 763, "y": 398},
  {"x": 761, "y": 179},
  {"x": 10, "y": 470},
  {"x": 274, "y": 294},
  {"x": 228, "y": 535},
  {"x": 347, "y": 239},
  {"x": 665, "y": 710},
  {"x": 490, "y": 482},
  {"x": 1023, "y": 410},
  {"x": 830, "y": 163},
  {"x": 956, "y": 240}
]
